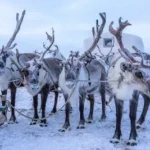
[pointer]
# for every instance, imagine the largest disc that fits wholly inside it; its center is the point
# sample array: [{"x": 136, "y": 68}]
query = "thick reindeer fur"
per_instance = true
[
  {"x": 48, "y": 75},
  {"x": 126, "y": 90},
  {"x": 122, "y": 89}
]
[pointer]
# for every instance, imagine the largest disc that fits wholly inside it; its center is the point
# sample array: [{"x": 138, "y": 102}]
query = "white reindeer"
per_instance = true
[
  {"x": 10, "y": 76},
  {"x": 125, "y": 87}
]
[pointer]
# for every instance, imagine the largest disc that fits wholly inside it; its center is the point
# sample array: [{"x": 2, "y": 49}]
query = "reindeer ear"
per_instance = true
[{"x": 123, "y": 67}]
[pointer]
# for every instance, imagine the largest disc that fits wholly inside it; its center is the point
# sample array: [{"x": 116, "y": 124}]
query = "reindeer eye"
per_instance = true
[
  {"x": 39, "y": 66},
  {"x": 37, "y": 73},
  {"x": 7, "y": 55},
  {"x": 139, "y": 74},
  {"x": 26, "y": 72}
]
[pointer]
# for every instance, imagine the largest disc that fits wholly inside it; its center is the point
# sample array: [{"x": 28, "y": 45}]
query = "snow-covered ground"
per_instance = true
[{"x": 95, "y": 136}]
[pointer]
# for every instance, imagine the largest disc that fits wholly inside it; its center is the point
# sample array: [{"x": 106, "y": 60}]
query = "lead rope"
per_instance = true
[{"x": 9, "y": 105}]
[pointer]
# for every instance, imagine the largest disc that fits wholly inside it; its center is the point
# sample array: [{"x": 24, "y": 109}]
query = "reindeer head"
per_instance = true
[
  {"x": 139, "y": 70},
  {"x": 35, "y": 71},
  {"x": 72, "y": 67},
  {"x": 34, "y": 74},
  {"x": 6, "y": 52}
]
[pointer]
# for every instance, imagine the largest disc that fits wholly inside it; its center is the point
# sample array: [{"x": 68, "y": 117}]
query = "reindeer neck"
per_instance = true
[{"x": 84, "y": 73}]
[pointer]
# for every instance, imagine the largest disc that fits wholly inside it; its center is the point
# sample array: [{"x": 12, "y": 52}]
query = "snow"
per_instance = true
[{"x": 95, "y": 136}]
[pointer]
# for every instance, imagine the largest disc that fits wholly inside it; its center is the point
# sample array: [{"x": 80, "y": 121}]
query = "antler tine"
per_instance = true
[
  {"x": 111, "y": 29},
  {"x": 124, "y": 56},
  {"x": 137, "y": 50},
  {"x": 51, "y": 39},
  {"x": 98, "y": 55},
  {"x": 93, "y": 32},
  {"x": 87, "y": 55},
  {"x": 118, "y": 34},
  {"x": 38, "y": 53},
  {"x": 102, "y": 55},
  {"x": 141, "y": 55},
  {"x": 44, "y": 46},
  {"x": 18, "y": 26},
  {"x": 99, "y": 31},
  {"x": 122, "y": 25},
  {"x": 57, "y": 48}
]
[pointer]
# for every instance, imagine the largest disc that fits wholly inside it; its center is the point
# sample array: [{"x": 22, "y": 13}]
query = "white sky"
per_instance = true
[{"x": 71, "y": 19}]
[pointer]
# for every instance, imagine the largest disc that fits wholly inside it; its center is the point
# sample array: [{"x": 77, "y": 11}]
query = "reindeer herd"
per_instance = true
[{"x": 79, "y": 78}]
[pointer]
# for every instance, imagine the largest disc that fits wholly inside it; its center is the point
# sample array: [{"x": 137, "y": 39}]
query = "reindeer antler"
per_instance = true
[
  {"x": 97, "y": 33},
  {"x": 18, "y": 25},
  {"x": 38, "y": 53},
  {"x": 141, "y": 55},
  {"x": 118, "y": 34},
  {"x": 51, "y": 40},
  {"x": 123, "y": 51}
]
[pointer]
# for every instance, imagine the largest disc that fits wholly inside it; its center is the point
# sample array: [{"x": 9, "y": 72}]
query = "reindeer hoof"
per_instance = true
[
  {"x": 89, "y": 120},
  {"x": 2, "y": 119},
  {"x": 43, "y": 124},
  {"x": 114, "y": 141},
  {"x": 81, "y": 126},
  {"x": 12, "y": 120},
  {"x": 138, "y": 126},
  {"x": 103, "y": 118},
  {"x": 132, "y": 142},
  {"x": 34, "y": 121},
  {"x": 53, "y": 111},
  {"x": 64, "y": 129}
]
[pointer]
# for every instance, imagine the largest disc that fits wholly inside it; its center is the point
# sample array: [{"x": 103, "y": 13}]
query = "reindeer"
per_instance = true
[
  {"x": 82, "y": 78},
  {"x": 41, "y": 75},
  {"x": 125, "y": 86},
  {"x": 10, "y": 76}
]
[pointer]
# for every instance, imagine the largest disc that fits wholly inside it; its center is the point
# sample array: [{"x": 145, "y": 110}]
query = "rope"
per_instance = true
[
  {"x": 10, "y": 81},
  {"x": 38, "y": 120},
  {"x": 101, "y": 81},
  {"x": 9, "y": 105}
]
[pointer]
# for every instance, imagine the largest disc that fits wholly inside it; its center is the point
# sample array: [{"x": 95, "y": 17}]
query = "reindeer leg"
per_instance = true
[
  {"x": 144, "y": 112},
  {"x": 35, "y": 106},
  {"x": 81, "y": 109},
  {"x": 55, "y": 103},
  {"x": 44, "y": 95},
  {"x": 133, "y": 109},
  {"x": 4, "y": 94},
  {"x": 3, "y": 116},
  {"x": 13, "y": 90},
  {"x": 90, "y": 117},
  {"x": 119, "y": 108},
  {"x": 67, "y": 115},
  {"x": 102, "y": 92}
]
